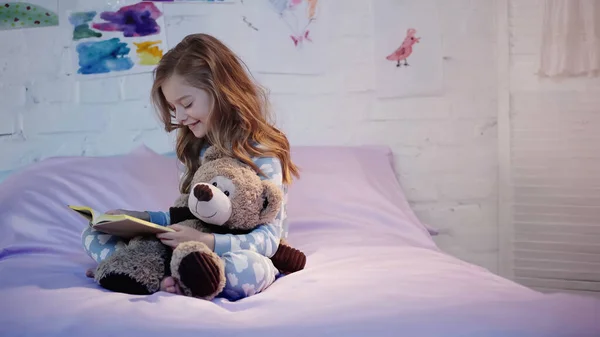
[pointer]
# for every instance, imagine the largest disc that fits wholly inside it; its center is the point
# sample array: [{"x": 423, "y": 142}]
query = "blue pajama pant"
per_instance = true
[{"x": 246, "y": 271}]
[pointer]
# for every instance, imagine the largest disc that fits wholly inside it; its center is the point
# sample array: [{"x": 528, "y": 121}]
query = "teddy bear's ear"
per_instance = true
[
  {"x": 272, "y": 197},
  {"x": 212, "y": 153}
]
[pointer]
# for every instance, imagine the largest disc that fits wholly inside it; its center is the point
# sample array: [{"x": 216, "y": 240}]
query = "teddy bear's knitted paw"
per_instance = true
[
  {"x": 122, "y": 283},
  {"x": 288, "y": 259},
  {"x": 199, "y": 270},
  {"x": 200, "y": 273}
]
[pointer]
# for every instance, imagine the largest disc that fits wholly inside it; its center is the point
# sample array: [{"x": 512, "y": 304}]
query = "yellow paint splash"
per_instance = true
[{"x": 148, "y": 53}]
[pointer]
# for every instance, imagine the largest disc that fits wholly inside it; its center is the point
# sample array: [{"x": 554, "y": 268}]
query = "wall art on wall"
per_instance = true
[
  {"x": 249, "y": 14},
  {"x": 129, "y": 39},
  {"x": 407, "y": 48},
  {"x": 28, "y": 14},
  {"x": 297, "y": 16},
  {"x": 249, "y": 23},
  {"x": 292, "y": 36},
  {"x": 402, "y": 53},
  {"x": 198, "y": 1}
]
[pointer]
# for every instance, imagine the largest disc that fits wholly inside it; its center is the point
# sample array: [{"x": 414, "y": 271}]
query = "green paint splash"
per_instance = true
[
  {"x": 25, "y": 15},
  {"x": 80, "y": 21}
]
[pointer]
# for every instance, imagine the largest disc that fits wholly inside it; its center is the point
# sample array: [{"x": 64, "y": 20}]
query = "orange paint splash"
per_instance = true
[{"x": 312, "y": 8}]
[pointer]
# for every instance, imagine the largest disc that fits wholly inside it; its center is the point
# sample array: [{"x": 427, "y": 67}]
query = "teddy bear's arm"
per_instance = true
[{"x": 179, "y": 214}]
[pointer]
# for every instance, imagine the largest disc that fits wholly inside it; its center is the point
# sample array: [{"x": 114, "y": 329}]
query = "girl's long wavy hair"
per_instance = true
[{"x": 239, "y": 120}]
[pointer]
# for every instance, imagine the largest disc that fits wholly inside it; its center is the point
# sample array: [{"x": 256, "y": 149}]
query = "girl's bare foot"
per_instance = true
[{"x": 169, "y": 285}]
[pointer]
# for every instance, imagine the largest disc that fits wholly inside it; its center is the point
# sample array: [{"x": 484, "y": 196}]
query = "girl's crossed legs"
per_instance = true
[{"x": 246, "y": 271}]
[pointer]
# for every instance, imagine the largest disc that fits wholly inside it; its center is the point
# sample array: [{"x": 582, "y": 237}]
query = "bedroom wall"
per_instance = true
[{"x": 445, "y": 146}]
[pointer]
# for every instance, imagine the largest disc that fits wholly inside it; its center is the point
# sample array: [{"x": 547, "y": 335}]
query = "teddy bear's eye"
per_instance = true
[{"x": 225, "y": 185}]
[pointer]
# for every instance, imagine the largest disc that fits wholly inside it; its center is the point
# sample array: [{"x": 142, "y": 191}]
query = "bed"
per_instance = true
[{"x": 373, "y": 268}]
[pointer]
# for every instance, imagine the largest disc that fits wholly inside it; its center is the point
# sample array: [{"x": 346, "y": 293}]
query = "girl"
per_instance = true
[{"x": 202, "y": 85}]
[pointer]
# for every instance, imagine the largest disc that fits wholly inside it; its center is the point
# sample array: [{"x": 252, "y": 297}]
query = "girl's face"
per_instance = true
[{"x": 190, "y": 104}]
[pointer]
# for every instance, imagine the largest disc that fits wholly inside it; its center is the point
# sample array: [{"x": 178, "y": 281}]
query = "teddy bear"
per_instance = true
[{"x": 227, "y": 196}]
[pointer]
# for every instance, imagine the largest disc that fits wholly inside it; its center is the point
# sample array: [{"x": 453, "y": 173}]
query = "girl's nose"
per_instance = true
[{"x": 180, "y": 115}]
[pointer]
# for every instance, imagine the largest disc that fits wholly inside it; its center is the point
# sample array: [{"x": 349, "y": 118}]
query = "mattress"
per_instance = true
[{"x": 372, "y": 266}]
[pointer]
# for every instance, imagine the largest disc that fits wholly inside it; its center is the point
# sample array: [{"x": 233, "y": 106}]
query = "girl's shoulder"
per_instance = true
[
  {"x": 267, "y": 163},
  {"x": 203, "y": 150}
]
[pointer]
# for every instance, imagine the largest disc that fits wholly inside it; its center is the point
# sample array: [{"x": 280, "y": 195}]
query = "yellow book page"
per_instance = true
[
  {"x": 95, "y": 217},
  {"x": 130, "y": 227},
  {"x": 121, "y": 225},
  {"x": 87, "y": 212}
]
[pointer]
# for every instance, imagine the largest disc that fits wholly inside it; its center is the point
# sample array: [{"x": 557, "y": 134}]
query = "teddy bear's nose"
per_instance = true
[{"x": 203, "y": 192}]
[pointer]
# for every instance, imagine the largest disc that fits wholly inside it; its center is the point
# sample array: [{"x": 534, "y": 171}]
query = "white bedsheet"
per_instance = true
[{"x": 372, "y": 268}]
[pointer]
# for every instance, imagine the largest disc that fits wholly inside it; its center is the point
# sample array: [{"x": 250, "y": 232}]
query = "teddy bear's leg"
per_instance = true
[
  {"x": 135, "y": 269},
  {"x": 199, "y": 271}
]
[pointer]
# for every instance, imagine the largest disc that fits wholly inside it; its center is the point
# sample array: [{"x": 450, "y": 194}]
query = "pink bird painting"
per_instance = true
[{"x": 406, "y": 49}]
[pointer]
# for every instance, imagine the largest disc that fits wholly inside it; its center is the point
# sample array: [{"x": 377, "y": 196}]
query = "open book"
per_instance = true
[{"x": 121, "y": 225}]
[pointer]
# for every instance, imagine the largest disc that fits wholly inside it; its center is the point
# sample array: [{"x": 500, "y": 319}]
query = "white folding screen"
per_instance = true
[
  {"x": 556, "y": 189},
  {"x": 553, "y": 241}
]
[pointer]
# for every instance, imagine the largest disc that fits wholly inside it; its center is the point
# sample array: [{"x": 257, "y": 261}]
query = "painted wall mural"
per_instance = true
[
  {"x": 28, "y": 14},
  {"x": 196, "y": 1},
  {"x": 129, "y": 39},
  {"x": 288, "y": 37}
]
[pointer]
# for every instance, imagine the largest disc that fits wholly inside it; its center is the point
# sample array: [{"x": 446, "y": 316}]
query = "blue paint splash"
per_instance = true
[
  {"x": 134, "y": 20},
  {"x": 103, "y": 57},
  {"x": 80, "y": 18},
  {"x": 80, "y": 21}
]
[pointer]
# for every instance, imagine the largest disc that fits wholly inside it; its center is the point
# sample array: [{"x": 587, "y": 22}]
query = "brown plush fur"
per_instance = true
[
  {"x": 250, "y": 191},
  {"x": 145, "y": 261}
]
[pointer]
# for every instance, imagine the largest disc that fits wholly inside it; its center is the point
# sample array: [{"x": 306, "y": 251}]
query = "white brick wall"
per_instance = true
[{"x": 445, "y": 146}]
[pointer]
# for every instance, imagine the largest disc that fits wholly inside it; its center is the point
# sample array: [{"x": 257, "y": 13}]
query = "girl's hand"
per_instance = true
[
  {"x": 183, "y": 234},
  {"x": 135, "y": 214}
]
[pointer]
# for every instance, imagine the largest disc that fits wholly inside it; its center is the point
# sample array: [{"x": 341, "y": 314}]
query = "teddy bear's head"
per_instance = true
[{"x": 228, "y": 193}]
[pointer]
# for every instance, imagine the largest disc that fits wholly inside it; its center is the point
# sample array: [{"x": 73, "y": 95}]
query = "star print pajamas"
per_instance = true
[{"x": 248, "y": 269}]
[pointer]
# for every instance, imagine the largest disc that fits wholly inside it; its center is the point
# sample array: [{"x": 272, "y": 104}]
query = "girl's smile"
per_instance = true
[{"x": 190, "y": 104}]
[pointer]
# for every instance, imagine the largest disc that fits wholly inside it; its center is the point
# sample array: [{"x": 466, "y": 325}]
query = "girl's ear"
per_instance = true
[
  {"x": 212, "y": 153},
  {"x": 272, "y": 197}
]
